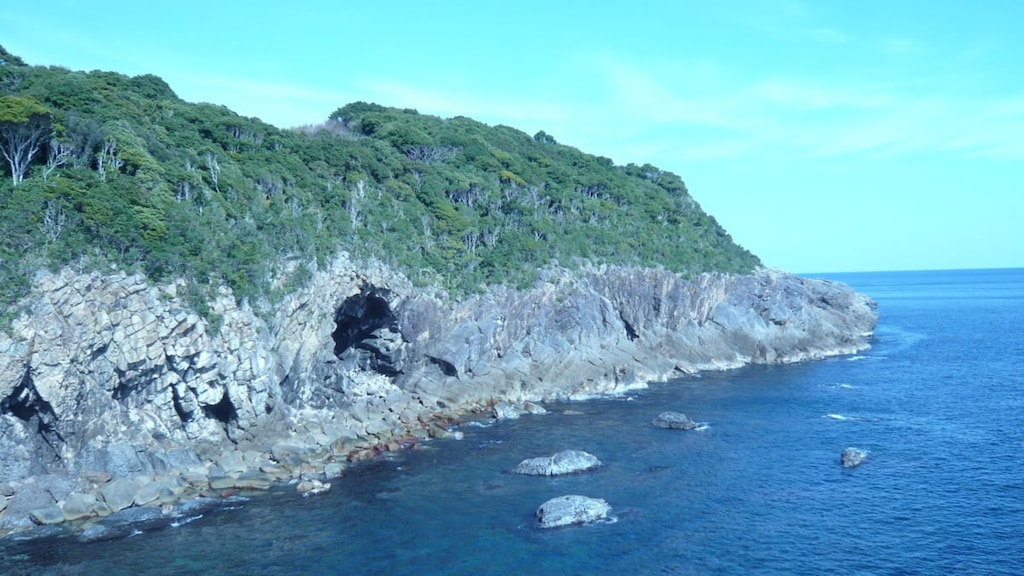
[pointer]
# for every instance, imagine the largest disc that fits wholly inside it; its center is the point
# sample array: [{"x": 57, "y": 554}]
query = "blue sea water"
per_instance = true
[{"x": 938, "y": 402}]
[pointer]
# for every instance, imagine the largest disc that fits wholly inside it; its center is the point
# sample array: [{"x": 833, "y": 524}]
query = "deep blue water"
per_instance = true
[{"x": 938, "y": 401}]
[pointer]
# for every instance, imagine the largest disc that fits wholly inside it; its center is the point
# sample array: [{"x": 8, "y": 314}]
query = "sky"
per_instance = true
[{"x": 825, "y": 136}]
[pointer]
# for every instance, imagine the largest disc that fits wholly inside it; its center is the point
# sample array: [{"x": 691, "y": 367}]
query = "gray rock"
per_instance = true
[
  {"x": 564, "y": 462},
  {"x": 124, "y": 523},
  {"x": 3, "y": 502},
  {"x": 312, "y": 487},
  {"x": 852, "y": 457},
  {"x": 505, "y": 411},
  {"x": 253, "y": 480},
  {"x": 572, "y": 509},
  {"x": 221, "y": 482},
  {"x": 185, "y": 391},
  {"x": 47, "y": 515},
  {"x": 77, "y": 506},
  {"x": 674, "y": 421},
  {"x": 533, "y": 408},
  {"x": 119, "y": 493}
]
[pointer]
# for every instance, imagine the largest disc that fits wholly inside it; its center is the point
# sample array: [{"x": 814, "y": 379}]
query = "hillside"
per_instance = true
[{"x": 121, "y": 171}]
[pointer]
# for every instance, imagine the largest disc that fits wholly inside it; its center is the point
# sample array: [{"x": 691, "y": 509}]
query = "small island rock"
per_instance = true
[
  {"x": 852, "y": 457},
  {"x": 564, "y": 462},
  {"x": 674, "y": 421},
  {"x": 572, "y": 509}
]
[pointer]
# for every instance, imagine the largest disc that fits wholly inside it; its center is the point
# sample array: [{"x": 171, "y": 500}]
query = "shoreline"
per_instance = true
[{"x": 113, "y": 380}]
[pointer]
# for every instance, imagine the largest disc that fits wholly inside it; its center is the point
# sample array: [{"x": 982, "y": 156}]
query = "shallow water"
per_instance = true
[{"x": 938, "y": 401}]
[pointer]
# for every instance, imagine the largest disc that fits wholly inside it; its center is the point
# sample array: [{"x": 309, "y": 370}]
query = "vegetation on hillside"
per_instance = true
[{"x": 106, "y": 169}]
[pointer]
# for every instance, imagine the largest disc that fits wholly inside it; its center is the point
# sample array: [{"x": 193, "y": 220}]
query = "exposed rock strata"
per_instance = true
[{"x": 109, "y": 373}]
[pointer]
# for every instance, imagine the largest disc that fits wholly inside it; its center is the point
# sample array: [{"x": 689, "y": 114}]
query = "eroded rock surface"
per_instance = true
[{"x": 112, "y": 374}]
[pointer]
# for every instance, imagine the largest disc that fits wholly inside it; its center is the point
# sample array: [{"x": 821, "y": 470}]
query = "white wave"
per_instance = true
[
  {"x": 479, "y": 424},
  {"x": 837, "y": 417},
  {"x": 702, "y": 426},
  {"x": 856, "y": 357},
  {"x": 186, "y": 520}
]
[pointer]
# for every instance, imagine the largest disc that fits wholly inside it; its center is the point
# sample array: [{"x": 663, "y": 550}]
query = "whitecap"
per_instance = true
[
  {"x": 702, "y": 426},
  {"x": 836, "y": 417},
  {"x": 479, "y": 424},
  {"x": 856, "y": 357},
  {"x": 186, "y": 520}
]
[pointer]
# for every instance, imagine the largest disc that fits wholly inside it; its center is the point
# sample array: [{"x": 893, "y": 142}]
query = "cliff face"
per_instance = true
[{"x": 111, "y": 373}]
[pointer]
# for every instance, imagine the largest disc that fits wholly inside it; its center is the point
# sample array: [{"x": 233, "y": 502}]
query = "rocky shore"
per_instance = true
[{"x": 116, "y": 396}]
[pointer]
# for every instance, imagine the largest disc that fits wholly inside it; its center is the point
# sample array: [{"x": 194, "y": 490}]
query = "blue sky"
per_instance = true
[{"x": 825, "y": 136}]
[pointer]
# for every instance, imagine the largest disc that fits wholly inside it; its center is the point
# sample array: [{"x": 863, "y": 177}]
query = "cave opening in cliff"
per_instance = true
[
  {"x": 223, "y": 411},
  {"x": 358, "y": 318},
  {"x": 25, "y": 403}
]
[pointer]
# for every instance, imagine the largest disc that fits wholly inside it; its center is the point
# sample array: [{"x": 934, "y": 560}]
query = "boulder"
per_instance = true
[
  {"x": 505, "y": 411},
  {"x": 564, "y": 462},
  {"x": 47, "y": 515},
  {"x": 674, "y": 421},
  {"x": 77, "y": 506},
  {"x": 312, "y": 487},
  {"x": 852, "y": 457},
  {"x": 572, "y": 509},
  {"x": 119, "y": 493}
]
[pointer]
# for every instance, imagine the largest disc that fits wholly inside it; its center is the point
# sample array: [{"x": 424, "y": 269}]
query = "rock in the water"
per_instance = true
[
  {"x": 312, "y": 487},
  {"x": 853, "y": 457},
  {"x": 674, "y": 421},
  {"x": 572, "y": 509},
  {"x": 505, "y": 411},
  {"x": 564, "y": 462},
  {"x": 534, "y": 408}
]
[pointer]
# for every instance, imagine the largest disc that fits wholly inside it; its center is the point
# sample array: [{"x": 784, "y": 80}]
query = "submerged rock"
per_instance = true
[
  {"x": 852, "y": 457},
  {"x": 564, "y": 462},
  {"x": 572, "y": 509},
  {"x": 674, "y": 421}
]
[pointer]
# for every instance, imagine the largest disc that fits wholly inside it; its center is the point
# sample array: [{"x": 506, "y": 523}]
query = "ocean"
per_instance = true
[{"x": 938, "y": 403}]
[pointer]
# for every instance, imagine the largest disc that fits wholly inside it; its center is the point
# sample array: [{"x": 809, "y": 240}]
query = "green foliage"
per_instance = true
[{"x": 195, "y": 191}]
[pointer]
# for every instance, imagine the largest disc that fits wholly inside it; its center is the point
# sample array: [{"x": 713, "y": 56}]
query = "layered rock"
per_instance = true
[{"x": 112, "y": 373}]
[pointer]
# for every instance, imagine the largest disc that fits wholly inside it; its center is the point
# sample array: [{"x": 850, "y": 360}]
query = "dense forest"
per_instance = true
[{"x": 105, "y": 170}]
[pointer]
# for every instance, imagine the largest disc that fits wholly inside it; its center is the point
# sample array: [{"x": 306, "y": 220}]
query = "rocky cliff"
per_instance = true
[{"x": 110, "y": 374}]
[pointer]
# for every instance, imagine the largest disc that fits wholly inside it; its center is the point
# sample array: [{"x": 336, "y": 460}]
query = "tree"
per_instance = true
[{"x": 24, "y": 128}]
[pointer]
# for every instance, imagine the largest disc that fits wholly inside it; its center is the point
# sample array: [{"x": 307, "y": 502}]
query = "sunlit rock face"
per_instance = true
[{"x": 110, "y": 372}]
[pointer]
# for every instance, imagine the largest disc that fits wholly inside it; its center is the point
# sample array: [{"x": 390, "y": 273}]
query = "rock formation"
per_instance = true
[
  {"x": 560, "y": 463},
  {"x": 109, "y": 373},
  {"x": 852, "y": 457},
  {"x": 674, "y": 421},
  {"x": 572, "y": 509}
]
